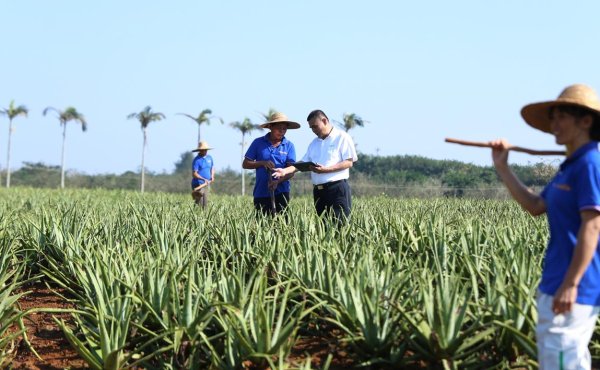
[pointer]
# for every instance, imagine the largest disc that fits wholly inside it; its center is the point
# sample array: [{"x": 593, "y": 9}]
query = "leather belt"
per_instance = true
[{"x": 327, "y": 184}]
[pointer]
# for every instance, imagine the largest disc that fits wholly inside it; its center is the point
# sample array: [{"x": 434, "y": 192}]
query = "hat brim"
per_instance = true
[
  {"x": 291, "y": 125},
  {"x": 537, "y": 114},
  {"x": 199, "y": 149}
]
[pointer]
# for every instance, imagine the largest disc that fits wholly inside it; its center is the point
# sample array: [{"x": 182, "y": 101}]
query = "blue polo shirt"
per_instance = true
[
  {"x": 202, "y": 165},
  {"x": 261, "y": 149},
  {"x": 575, "y": 188}
]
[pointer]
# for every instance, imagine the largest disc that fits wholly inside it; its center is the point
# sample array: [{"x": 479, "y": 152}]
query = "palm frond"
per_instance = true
[
  {"x": 12, "y": 111},
  {"x": 69, "y": 114},
  {"x": 267, "y": 116},
  {"x": 245, "y": 126},
  {"x": 204, "y": 117},
  {"x": 351, "y": 121},
  {"x": 49, "y": 109},
  {"x": 146, "y": 116},
  {"x": 187, "y": 115}
]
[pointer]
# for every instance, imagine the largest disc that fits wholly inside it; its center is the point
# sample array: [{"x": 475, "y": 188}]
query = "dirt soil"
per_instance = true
[
  {"x": 56, "y": 352},
  {"x": 43, "y": 333},
  {"x": 316, "y": 343}
]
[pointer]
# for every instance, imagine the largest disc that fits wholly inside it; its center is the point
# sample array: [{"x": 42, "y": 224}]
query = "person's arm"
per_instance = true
[
  {"x": 347, "y": 150},
  {"x": 196, "y": 175},
  {"x": 290, "y": 170},
  {"x": 274, "y": 181},
  {"x": 587, "y": 242},
  {"x": 212, "y": 174},
  {"x": 283, "y": 172},
  {"x": 288, "y": 175},
  {"x": 529, "y": 201},
  {"x": 249, "y": 164},
  {"x": 334, "y": 168}
]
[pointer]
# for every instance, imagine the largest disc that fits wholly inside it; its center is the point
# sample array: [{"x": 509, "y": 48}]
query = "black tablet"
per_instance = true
[{"x": 303, "y": 166}]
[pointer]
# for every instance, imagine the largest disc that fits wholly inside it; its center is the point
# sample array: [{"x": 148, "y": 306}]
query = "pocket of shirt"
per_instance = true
[{"x": 333, "y": 153}]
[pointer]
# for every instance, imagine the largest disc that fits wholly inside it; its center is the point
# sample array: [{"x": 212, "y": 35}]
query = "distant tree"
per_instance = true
[
  {"x": 352, "y": 120},
  {"x": 184, "y": 164},
  {"x": 37, "y": 175},
  {"x": 64, "y": 116},
  {"x": 11, "y": 112},
  {"x": 245, "y": 127},
  {"x": 203, "y": 118},
  {"x": 145, "y": 117}
]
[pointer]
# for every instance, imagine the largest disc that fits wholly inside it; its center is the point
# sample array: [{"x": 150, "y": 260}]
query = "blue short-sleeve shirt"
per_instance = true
[
  {"x": 202, "y": 165},
  {"x": 261, "y": 149},
  {"x": 575, "y": 188}
]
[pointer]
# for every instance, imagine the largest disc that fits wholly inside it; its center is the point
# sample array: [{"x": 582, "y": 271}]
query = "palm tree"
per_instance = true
[
  {"x": 246, "y": 127},
  {"x": 267, "y": 116},
  {"x": 204, "y": 117},
  {"x": 69, "y": 114},
  {"x": 145, "y": 117},
  {"x": 11, "y": 112},
  {"x": 351, "y": 121}
]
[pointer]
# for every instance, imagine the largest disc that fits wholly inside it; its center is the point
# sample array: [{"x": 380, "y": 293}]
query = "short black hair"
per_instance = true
[
  {"x": 316, "y": 114},
  {"x": 579, "y": 112}
]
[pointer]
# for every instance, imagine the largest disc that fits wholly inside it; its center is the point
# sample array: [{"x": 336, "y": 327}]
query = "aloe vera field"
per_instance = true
[{"x": 152, "y": 282}]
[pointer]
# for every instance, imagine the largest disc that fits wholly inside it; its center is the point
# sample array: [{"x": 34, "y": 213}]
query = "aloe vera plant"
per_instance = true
[
  {"x": 264, "y": 328},
  {"x": 156, "y": 284}
]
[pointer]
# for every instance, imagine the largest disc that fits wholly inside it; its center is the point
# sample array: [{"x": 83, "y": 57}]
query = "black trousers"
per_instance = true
[
  {"x": 333, "y": 197},
  {"x": 264, "y": 204}
]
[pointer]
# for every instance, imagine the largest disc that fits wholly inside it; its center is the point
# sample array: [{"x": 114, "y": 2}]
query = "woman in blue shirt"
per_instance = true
[
  {"x": 569, "y": 292},
  {"x": 266, "y": 153}
]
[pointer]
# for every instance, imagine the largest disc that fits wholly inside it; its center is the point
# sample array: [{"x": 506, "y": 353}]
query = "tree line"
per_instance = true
[
  {"x": 145, "y": 117},
  {"x": 368, "y": 176}
]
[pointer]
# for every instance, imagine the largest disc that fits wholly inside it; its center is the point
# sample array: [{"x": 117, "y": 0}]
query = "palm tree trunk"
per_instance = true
[
  {"x": 199, "y": 132},
  {"x": 243, "y": 181},
  {"x": 62, "y": 160},
  {"x": 143, "y": 154},
  {"x": 8, "y": 154}
]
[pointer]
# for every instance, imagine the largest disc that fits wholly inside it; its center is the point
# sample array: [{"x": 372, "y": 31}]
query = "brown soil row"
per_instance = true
[
  {"x": 44, "y": 335},
  {"x": 56, "y": 352}
]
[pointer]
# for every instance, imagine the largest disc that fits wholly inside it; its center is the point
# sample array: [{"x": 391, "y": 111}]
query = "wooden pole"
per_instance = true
[{"x": 513, "y": 148}]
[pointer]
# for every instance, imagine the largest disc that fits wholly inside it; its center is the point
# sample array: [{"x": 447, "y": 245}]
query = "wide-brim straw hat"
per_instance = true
[
  {"x": 278, "y": 117},
  {"x": 203, "y": 145},
  {"x": 537, "y": 115}
]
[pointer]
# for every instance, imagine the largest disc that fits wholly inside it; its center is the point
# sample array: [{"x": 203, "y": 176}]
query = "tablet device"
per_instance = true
[{"x": 303, "y": 166}]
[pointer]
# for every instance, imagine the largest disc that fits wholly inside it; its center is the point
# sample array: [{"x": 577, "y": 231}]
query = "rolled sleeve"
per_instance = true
[
  {"x": 588, "y": 188},
  {"x": 252, "y": 152},
  {"x": 348, "y": 149}
]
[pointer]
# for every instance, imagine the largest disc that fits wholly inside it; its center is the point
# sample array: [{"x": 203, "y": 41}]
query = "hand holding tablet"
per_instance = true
[{"x": 304, "y": 166}]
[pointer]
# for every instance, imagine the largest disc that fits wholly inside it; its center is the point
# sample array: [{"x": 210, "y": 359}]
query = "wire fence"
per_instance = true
[
  {"x": 361, "y": 188},
  {"x": 225, "y": 185}
]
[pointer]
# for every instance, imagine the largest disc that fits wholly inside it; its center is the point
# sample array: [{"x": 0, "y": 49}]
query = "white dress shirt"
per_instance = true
[{"x": 337, "y": 147}]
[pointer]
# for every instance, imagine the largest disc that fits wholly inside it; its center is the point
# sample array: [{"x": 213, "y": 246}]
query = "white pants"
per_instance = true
[{"x": 562, "y": 340}]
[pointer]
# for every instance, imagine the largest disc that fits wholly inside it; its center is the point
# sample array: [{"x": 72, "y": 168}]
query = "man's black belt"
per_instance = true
[{"x": 327, "y": 184}]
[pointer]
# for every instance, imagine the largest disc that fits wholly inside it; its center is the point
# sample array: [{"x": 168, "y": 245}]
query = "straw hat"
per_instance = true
[
  {"x": 537, "y": 116},
  {"x": 278, "y": 117},
  {"x": 203, "y": 145}
]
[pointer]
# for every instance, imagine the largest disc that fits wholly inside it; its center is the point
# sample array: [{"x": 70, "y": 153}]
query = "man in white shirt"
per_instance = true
[{"x": 334, "y": 153}]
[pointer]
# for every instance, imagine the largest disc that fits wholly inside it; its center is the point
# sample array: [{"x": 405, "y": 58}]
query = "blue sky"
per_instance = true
[{"x": 417, "y": 71}]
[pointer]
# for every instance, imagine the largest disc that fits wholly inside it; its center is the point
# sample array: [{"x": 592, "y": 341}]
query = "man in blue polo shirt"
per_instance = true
[
  {"x": 203, "y": 174},
  {"x": 568, "y": 299},
  {"x": 265, "y": 154}
]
